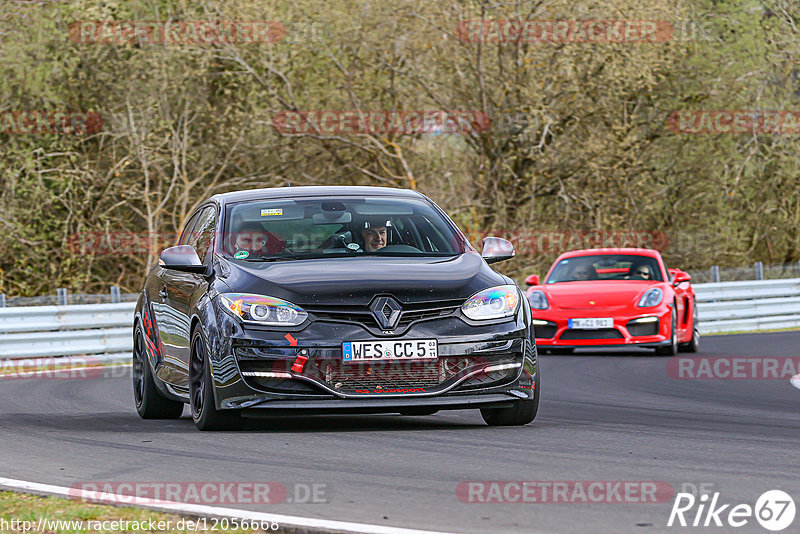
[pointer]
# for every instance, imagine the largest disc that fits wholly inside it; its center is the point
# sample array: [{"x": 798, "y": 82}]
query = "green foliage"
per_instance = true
[{"x": 578, "y": 141}]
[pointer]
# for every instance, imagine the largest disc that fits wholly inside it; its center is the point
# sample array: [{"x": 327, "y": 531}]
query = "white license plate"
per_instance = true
[
  {"x": 592, "y": 323},
  {"x": 399, "y": 350}
]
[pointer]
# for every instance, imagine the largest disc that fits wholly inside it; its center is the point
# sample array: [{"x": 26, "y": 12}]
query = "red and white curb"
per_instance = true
[{"x": 286, "y": 522}]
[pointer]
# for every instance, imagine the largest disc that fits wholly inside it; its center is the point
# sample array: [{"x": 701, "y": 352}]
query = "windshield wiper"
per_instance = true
[{"x": 271, "y": 259}]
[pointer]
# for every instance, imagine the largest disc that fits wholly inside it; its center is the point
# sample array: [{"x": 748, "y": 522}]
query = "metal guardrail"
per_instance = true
[
  {"x": 65, "y": 298},
  {"x": 104, "y": 330},
  {"x": 756, "y": 271},
  {"x": 749, "y": 305},
  {"x": 50, "y": 331}
]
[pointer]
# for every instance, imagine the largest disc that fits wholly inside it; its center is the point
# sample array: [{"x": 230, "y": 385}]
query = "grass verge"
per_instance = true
[{"x": 24, "y": 513}]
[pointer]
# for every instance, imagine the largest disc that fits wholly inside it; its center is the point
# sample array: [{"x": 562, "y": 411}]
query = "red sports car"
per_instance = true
[{"x": 614, "y": 298}]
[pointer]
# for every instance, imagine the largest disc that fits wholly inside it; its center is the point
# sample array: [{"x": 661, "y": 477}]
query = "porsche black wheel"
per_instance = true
[
  {"x": 672, "y": 348},
  {"x": 201, "y": 393},
  {"x": 694, "y": 344},
  {"x": 150, "y": 404}
]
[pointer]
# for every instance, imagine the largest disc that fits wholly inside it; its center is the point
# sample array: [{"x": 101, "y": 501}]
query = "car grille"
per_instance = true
[
  {"x": 642, "y": 329},
  {"x": 493, "y": 378},
  {"x": 378, "y": 377},
  {"x": 280, "y": 385},
  {"x": 363, "y": 315},
  {"x": 253, "y": 369},
  {"x": 602, "y": 333},
  {"x": 547, "y": 331}
]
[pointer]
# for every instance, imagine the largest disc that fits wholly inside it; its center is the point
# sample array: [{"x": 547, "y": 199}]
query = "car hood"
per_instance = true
[
  {"x": 356, "y": 280},
  {"x": 593, "y": 294}
]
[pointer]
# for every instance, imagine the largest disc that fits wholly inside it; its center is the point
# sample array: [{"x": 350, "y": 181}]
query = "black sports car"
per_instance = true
[{"x": 331, "y": 300}]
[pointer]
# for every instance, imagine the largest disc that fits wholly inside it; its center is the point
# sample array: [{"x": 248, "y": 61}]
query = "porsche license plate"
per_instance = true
[
  {"x": 403, "y": 350},
  {"x": 592, "y": 323}
]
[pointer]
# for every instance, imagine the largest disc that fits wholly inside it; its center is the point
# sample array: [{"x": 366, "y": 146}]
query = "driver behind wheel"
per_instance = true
[
  {"x": 640, "y": 271},
  {"x": 374, "y": 233}
]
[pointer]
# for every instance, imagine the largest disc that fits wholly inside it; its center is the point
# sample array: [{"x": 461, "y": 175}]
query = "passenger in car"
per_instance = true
[
  {"x": 583, "y": 271},
  {"x": 254, "y": 239}
]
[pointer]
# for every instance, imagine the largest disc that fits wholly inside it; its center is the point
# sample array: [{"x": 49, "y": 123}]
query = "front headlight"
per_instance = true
[
  {"x": 493, "y": 303},
  {"x": 261, "y": 309},
  {"x": 538, "y": 300},
  {"x": 652, "y": 297}
]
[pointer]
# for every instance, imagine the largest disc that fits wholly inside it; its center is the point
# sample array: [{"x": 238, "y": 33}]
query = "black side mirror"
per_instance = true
[
  {"x": 182, "y": 258},
  {"x": 497, "y": 249}
]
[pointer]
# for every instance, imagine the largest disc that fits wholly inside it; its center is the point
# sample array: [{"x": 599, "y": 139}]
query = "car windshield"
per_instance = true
[
  {"x": 275, "y": 230},
  {"x": 605, "y": 267}
]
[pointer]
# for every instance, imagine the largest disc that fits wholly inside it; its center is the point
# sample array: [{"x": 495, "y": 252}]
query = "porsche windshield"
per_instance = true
[
  {"x": 273, "y": 230},
  {"x": 605, "y": 267}
]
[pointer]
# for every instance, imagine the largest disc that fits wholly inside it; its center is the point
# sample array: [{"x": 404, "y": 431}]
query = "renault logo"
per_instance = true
[{"x": 386, "y": 311}]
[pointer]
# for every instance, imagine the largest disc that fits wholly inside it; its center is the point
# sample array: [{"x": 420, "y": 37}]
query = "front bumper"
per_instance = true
[
  {"x": 364, "y": 406},
  {"x": 259, "y": 369},
  {"x": 628, "y": 329}
]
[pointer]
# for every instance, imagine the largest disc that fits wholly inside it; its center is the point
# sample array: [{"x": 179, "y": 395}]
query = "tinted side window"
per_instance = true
[
  {"x": 187, "y": 230},
  {"x": 203, "y": 233}
]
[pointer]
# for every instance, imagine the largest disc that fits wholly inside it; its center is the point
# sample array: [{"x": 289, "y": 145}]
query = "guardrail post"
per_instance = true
[
  {"x": 2, "y": 300},
  {"x": 116, "y": 298},
  {"x": 62, "y": 296},
  {"x": 759, "y": 270},
  {"x": 715, "y": 273}
]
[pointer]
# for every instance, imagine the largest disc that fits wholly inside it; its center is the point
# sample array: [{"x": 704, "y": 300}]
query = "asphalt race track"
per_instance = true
[{"x": 603, "y": 417}]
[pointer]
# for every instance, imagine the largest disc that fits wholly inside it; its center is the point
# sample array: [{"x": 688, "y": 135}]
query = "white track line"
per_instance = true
[
  {"x": 795, "y": 380},
  {"x": 285, "y": 521}
]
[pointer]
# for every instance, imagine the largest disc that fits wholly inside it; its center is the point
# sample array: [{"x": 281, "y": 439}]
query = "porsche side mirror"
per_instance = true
[
  {"x": 681, "y": 277},
  {"x": 182, "y": 258},
  {"x": 532, "y": 280},
  {"x": 497, "y": 249}
]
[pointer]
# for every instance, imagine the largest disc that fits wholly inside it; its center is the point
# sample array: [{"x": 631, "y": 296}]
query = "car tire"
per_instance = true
[
  {"x": 521, "y": 413},
  {"x": 694, "y": 344},
  {"x": 201, "y": 390},
  {"x": 419, "y": 411},
  {"x": 672, "y": 348},
  {"x": 150, "y": 403}
]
